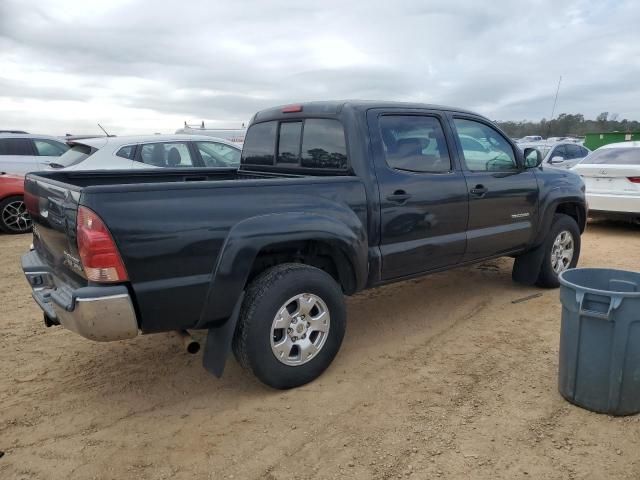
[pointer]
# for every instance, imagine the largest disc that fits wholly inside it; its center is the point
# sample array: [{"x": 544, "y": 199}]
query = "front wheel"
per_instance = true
[
  {"x": 561, "y": 250},
  {"x": 14, "y": 217},
  {"x": 291, "y": 325}
]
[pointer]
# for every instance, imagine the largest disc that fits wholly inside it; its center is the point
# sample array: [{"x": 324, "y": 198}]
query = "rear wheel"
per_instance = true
[
  {"x": 14, "y": 217},
  {"x": 561, "y": 250},
  {"x": 291, "y": 325}
]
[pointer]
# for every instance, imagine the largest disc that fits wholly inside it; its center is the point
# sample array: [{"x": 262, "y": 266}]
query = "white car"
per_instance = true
[
  {"x": 21, "y": 153},
  {"x": 560, "y": 154},
  {"x": 612, "y": 179},
  {"x": 150, "y": 151}
]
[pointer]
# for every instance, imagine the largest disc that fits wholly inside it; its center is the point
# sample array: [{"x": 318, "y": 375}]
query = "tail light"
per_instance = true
[
  {"x": 292, "y": 109},
  {"x": 634, "y": 179},
  {"x": 98, "y": 252}
]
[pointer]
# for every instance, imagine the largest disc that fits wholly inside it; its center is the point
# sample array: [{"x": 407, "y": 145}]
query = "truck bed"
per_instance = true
[{"x": 170, "y": 227}]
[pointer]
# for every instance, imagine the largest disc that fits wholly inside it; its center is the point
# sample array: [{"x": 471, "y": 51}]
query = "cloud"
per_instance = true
[{"x": 149, "y": 65}]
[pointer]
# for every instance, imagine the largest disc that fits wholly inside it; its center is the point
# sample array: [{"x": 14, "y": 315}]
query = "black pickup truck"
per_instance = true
[{"x": 331, "y": 198}]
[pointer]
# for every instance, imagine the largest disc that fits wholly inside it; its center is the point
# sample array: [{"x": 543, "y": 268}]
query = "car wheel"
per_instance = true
[
  {"x": 561, "y": 250},
  {"x": 14, "y": 217},
  {"x": 291, "y": 325}
]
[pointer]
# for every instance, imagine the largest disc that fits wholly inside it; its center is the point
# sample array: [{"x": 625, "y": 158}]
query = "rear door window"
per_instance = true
[
  {"x": 16, "y": 146},
  {"x": 260, "y": 144},
  {"x": 49, "y": 148},
  {"x": 167, "y": 155},
  {"x": 416, "y": 143}
]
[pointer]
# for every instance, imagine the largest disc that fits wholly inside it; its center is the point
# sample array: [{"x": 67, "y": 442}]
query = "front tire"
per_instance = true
[
  {"x": 291, "y": 325},
  {"x": 561, "y": 250}
]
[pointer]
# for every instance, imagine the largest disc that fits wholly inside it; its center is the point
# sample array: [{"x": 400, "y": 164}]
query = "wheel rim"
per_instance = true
[
  {"x": 562, "y": 251},
  {"x": 300, "y": 329},
  {"x": 15, "y": 216}
]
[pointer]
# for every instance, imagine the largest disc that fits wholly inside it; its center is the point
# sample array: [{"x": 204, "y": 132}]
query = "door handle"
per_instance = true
[
  {"x": 399, "y": 196},
  {"x": 479, "y": 190}
]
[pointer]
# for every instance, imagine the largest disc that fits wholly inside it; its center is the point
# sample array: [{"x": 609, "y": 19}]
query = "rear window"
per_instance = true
[
  {"x": 322, "y": 145},
  {"x": 76, "y": 154},
  {"x": 614, "y": 156},
  {"x": 15, "y": 146},
  {"x": 260, "y": 143}
]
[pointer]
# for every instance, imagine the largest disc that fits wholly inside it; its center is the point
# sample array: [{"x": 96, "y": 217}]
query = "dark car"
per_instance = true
[{"x": 331, "y": 198}]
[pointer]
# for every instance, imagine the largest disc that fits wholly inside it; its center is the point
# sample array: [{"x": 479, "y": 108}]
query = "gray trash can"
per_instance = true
[{"x": 600, "y": 340}]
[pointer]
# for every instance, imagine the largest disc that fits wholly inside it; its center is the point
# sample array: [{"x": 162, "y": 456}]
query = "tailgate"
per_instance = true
[{"x": 53, "y": 207}]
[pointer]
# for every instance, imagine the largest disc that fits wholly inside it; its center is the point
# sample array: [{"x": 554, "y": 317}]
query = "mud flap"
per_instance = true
[
  {"x": 526, "y": 268},
  {"x": 218, "y": 344}
]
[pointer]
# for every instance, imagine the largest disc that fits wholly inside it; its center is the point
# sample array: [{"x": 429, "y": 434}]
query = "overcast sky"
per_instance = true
[{"x": 147, "y": 66}]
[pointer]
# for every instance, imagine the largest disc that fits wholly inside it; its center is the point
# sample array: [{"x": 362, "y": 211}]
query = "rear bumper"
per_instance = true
[
  {"x": 103, "y": 313},
  {"x": 614, "y": 203}
]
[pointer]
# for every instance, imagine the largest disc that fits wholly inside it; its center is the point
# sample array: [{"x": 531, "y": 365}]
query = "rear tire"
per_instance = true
[
  {"x": 561, "y": 250},
  {"x": 291, "y": 325},
  {"x": 14, "y": 218}
]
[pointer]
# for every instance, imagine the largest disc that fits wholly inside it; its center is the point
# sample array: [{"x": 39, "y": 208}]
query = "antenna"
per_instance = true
[
  {"x": 553, "y": 110},
  {"x": 105, "y": 132},
  {"x": 555, "y": 101}
]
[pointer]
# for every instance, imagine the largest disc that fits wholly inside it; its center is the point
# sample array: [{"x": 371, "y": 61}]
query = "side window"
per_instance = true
[
  {"x": 323, "y": 144},
  {"x": 289, "y": 142},
  {"x": 574, "y": 151},
  {"x": 171, "y": 155},
  {"x": 484, "y": 149},
  {"x": 49, "y": 148},
  {"x": 260, "y": 144},
  {"x": 216, "y": 154},
  {"x": 415, "y": 143},
  {"x": 126, "y": 152},
  {"x": 15, "y": 146},
  {"x": 560, "y": 151}
]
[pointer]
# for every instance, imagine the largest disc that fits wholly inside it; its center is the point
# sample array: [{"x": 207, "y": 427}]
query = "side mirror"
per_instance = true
[
  {"x": 532, "y": 158},
  {"x": 557, "y": 159}
]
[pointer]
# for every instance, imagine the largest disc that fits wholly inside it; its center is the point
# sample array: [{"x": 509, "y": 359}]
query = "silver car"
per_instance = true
[
  {"x": 560, "y": 154},
  {"x": 149, "y": 151},
  {"x": 21, "y": 153}
]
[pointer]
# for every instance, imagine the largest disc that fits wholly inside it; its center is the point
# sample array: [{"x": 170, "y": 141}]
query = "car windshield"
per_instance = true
[
  {"x": 76, "y": 154},
  {"x": 614, "y": 156}
]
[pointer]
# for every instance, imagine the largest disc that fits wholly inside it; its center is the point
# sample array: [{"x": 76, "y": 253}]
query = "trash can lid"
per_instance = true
[{"x": 602, "y": 281}]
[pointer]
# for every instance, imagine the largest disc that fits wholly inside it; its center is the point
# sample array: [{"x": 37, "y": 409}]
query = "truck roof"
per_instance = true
[{"x": 334, "y": 107}]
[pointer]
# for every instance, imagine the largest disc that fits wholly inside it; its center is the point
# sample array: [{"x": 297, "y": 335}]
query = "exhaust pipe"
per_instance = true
[{"x": 190, "y": 343}]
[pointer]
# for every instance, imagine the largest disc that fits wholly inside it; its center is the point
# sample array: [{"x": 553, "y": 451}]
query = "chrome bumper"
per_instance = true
[{"x": 103, "y": 313}]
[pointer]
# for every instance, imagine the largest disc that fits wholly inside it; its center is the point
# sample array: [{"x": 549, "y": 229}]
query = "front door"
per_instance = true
[
  {"x": 503, "y": 196},
  {"x": 423, "y": 194}
]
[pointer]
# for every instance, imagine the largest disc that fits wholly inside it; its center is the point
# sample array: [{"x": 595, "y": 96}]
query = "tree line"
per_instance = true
[{"x": 568, "y": 124}]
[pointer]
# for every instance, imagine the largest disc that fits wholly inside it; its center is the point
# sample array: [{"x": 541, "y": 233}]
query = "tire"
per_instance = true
[
  {"x": 291, "y": 287},
  {"x": 548, "y": 277},
  {"x": 14, "y": 218}
]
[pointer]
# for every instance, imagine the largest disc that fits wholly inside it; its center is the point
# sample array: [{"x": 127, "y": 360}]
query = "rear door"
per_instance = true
[
  {"x": 503, "y": 196},
  {"x": 17, "y": 155},
  {"x": 423, "y": 194}
]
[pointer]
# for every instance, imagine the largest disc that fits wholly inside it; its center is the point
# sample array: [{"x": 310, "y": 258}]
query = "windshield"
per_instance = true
[
  {"x": 76, "y": 154},
  {"x": 614, "y": 156}
]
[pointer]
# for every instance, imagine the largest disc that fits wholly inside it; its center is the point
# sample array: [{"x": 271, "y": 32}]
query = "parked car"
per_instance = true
[
  {"x": 612, "y": 178},
  {"x": 530, "y": 138},
  {"x": 331, "y": 198},
  {"x": 14, "y": 217},
  {"x": 560, "y": 154},
  {"x": 233, "y": 135},
  {"x": 22, "y": 153},
  {"x": 149, "y": 151}
]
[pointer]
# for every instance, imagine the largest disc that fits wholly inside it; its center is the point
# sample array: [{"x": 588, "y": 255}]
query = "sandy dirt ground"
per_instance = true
[{"x": 441, "y": 377}]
